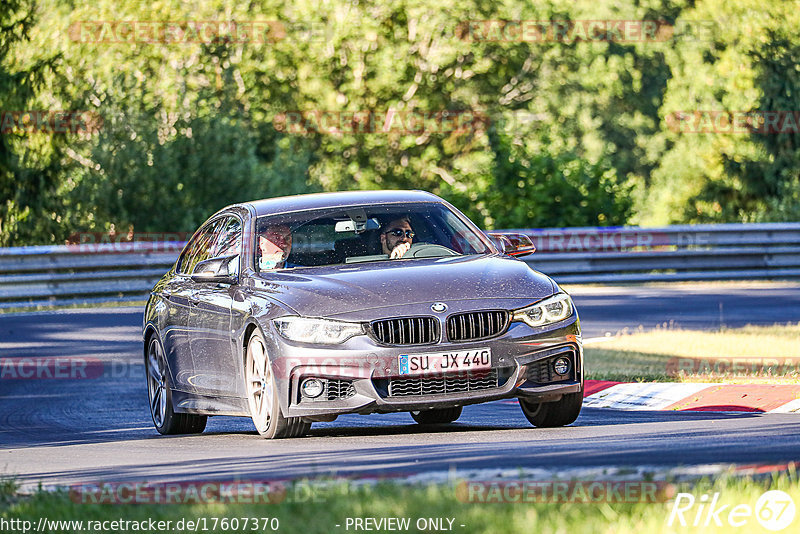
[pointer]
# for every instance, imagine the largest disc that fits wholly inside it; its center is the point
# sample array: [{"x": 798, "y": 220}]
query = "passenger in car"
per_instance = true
[
  {"x": 396, "y": 237},
  {"x": 274, "y": 247}
]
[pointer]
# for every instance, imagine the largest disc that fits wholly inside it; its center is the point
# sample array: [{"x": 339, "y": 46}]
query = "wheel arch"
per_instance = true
[
  {"x": 249, "y": 328},
  {"x": 149, "y": 332}
]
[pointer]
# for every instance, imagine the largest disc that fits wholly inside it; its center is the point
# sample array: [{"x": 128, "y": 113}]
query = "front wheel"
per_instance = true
[
  {"x": 551, "y": 414},
  {"x": 437, "y": 417},
  {"x": 159, "y": 392},
  {"x": 262, "y": 395}
]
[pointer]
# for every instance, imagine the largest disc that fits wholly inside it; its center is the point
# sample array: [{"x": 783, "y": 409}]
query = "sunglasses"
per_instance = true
[{"x": 397, "y": 232}]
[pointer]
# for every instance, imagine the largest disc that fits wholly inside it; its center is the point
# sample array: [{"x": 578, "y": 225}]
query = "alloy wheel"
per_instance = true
[{"x": 156, "y": 382}]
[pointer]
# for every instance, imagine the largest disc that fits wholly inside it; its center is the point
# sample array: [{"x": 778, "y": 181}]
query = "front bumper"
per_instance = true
[{"x": 363, "y": 377}]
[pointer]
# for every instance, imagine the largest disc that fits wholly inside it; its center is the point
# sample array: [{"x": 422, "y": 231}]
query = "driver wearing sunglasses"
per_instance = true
[{"x": 396, "y": 238}]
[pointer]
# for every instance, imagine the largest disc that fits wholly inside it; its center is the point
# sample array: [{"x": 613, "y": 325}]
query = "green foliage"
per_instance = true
[
  {"x": 750, "y": 64},
  {"x": 30, "y": 167},
  {"x": 527, "y": 189},
  {"x": 170, "y": 175},
  {"x": 777, "y": 175},
  {"x": 577, "y": 131}
]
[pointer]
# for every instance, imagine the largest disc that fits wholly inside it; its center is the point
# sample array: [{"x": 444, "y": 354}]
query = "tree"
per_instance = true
[
  {"x": 30, "y": 163},
  {"x": 748, "y": 66}
]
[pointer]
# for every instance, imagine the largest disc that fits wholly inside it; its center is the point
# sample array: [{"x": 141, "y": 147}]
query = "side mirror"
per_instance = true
[
  {"x": 512, "y": 244},
  {"x": 216, "y": 270}
]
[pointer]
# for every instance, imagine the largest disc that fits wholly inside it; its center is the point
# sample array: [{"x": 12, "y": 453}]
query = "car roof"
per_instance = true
[{"x": 270, "y": 206}]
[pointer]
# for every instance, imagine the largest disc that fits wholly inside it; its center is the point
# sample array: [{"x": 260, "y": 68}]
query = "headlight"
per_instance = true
[
  {"x": 309, "y": 330},
  {"x": 550, "y": 310}
]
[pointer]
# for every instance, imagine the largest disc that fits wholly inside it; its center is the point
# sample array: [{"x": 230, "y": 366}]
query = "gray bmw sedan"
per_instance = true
[{"x": 294, "y": 310}]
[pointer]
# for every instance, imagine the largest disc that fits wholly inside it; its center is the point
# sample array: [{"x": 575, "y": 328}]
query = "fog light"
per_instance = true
[
  {"x": 312, "y": 387},
  {"x": 561, "y": 366}
]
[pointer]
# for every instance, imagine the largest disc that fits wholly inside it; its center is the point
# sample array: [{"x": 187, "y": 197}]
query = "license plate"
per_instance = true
[{"x": 444, "y": 362}]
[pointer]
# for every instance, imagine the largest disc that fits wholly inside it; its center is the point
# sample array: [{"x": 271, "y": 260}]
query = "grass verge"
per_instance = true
[
  {"x": 341, "y": 503},
  {"x": 752, "y": 354}
]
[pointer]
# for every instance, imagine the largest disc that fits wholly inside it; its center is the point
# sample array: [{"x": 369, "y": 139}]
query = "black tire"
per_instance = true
[
  {"x": 551, "y": 414},
  {"x": 437, "y": 417},
  {"x": 262, "y": 395},
  {"x": 159, "y": 393}
]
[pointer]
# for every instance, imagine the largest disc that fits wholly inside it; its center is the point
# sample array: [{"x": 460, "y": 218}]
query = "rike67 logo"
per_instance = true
[{"x": 774, "y": 510}]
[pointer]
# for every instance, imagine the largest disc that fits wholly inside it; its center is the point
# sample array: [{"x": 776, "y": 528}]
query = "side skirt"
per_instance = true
[{"x": 184, "y": 402}]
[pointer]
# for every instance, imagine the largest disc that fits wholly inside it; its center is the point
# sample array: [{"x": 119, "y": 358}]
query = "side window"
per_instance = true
[
  {"x": 200, "y": 249},
  {"x": 229, "y": 241},
  {"x": 188, "y": 252},
  {"x": 229, "y": 238}
]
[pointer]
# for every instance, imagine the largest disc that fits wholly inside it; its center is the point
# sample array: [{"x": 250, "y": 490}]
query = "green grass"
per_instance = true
[
  {"x": 8, "y": 491},
  {"x": 768, "y": 354},
  {"x": 303, "y": 514}
]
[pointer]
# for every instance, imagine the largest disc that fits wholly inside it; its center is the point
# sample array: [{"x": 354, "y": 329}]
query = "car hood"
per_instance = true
[{"x": 343, "y": 289}]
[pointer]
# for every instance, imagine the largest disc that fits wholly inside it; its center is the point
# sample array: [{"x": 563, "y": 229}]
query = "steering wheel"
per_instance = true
[{"x": 429, "y": 250}]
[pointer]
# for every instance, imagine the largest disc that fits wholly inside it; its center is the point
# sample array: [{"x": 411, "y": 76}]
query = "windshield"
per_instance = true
[{"x": 363, "y": 234}]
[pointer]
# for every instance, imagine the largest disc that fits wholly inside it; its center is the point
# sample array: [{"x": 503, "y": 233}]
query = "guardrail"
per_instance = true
[
  {"x": 67, "y": 274},
  {"x": 673, "y": 253},
  {"x": 44, "y": 275}
]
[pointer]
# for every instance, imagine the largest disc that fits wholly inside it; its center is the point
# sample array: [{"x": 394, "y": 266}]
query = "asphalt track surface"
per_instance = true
[{"x": 65, "y": 431}]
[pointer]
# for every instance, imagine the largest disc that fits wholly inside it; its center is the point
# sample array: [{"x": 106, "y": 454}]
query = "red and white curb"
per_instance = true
[{"x": 687, "y": 396}]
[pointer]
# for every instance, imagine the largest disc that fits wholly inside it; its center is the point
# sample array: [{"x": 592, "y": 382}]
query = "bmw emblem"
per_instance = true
[{"x": 439, "y": 307}]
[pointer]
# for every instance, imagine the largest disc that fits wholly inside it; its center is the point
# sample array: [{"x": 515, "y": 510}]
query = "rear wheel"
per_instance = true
[
  {"x": 159, "y": 392},
  {"x": 262, "y": 395},
  {"x": 437, "y": 417},
  {"x": 550, "y": 414}
]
